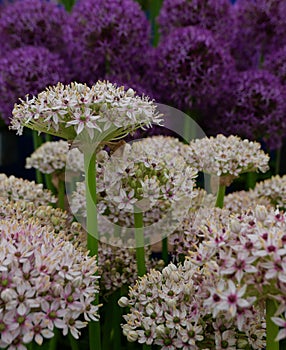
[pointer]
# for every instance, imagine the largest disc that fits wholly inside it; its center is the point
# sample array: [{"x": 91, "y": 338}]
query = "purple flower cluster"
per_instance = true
[
  {"x": 254, "y": 108},
  {"x": 276, "y": 64},
  {"x": 188, "y": 67},
  {"x": 27, "y": 70},
  {"x": 215, "y": 15},
  {"x": 106, "y": 37},
  {"x": 261, "y": 29},
  {"x": 32, "y": 22}
]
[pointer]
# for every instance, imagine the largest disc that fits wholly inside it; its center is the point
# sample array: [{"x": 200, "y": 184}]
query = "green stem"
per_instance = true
[
  {"x": 37, "y": 141},
  {"x": 54, "y": 340},
  {"x": 154, "y": 8},
  {"x": 187, "y": 131},
  {"x": 116, "y": 320},
  {"x": 117, "y": 231},
  {"x": 251, "y": 180},
  {"x": 139, "y": 240},
  {"x": 278, "y": 161},
  {"x": 271, "y": 328},
  {"x": 146, "y": 347},
  {"x": 92, "y": 234},
  {"x": 220, "y": 196},
  {"x": 73, "y": 342},
  {"x": 48, "y": 137},
  {"x": 49, "y": 184},
  {"x": 61, "y": 195},
  {"x": 165, "y": 254}
]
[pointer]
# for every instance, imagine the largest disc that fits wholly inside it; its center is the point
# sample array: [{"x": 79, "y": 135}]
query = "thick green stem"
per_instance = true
[
  {"x": 271, "y": 328},
  {"x": 54, "y": 340},
  {"x": 37, "y": 141},
  {"x": 61, "y": 195},
  {"x": 139, "y": 240},
  {"x": 220, "y": 196},
  {"x": 251, "y": 180},
  {"x": 187, "y": 132},
  {"x": 278, "y": 161},
  {"x": 73, "y": 342},
  {"x": 92, "y": 234},
  {"x": 49, "y": 184},
  {"x": 165, "y": 253}
]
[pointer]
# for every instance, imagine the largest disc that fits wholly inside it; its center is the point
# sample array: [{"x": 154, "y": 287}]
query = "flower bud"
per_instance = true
[
  {"x": 260, "y": 213},
  {"x": 160, "y": 330},
  {"x": 132, "y": 336},
  {"x": 235, "y": 226},
  {"x": 123, "y": 302}
]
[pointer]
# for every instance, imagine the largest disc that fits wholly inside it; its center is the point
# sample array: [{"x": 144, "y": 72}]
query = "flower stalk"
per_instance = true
[
  {"x": 271, "y": 328},
  {"x": 220, "y": 196},
  {"x": 139, "y": 239},
  {"x": 92, "y": 230},
  {"x": 37, "y": 141}
]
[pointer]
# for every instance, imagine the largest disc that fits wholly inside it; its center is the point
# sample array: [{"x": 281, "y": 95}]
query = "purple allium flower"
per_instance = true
[
  {"x": 106, "y": 37},
  {"x": 215, "y": 15},
  {"x": 276, "y": 64},
  {"x": 261, "y": 28},
  {"x": 27, "y": 70},
  {"x": 254, "y": 108},
  {"x": 32, "y": 22},
  {"x": 188, "y": 67}
]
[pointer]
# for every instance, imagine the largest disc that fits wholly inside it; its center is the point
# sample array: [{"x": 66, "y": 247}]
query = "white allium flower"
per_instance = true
[
  {"x": 237, "y": 202},
  {"x": 15, "y": 189},
  {"x": 36, "y": 293},
  {"x": 226, "y": 156},
  {"x": 273, "y": 190},
  {"x": 54, "y": 156},
  {"x": 104, "y": 111},
  {"x": 168, "y": 309}
]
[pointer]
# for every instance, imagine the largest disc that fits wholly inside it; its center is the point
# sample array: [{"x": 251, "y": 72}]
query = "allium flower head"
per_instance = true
[
  {"x": 241, "y": 201},
  {"x": 27, "y": 70},
  {"x": 261, "y": 29},
  {"x": 215, "y": 15},
  {"x": 167, "y": 309},
  {"x": 103, "y": 112},
  {"x": 226, "y": 157},
  {"x": 247, "y": 253},
  {"x": 45, "y": 284},
  {"x": 273, "y": 190},
  {"x": 106, "y": 37},
  {"x": 188, "y": 66},
  {"x": 255, "y": 108},
  {"x": 32, "y": 22},
  {"x": 275, "y": 63},
  {"x": 52, "y": 156},
  {"x": 15, "y": 189}
]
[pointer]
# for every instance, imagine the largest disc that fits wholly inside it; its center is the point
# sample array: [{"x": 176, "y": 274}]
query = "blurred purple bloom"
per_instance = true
[
  {"x": 215, "y": 15},
  {"x": 32, "y": 22},
  {"x": 253, "y": 108},
  {"x": 188, "y": 68},
  {"x": 261, "y": 29},
  {"x": 27, "y": 70},
  {"x": 276, "y": 64},
  {"x": 107, "y": 37}
]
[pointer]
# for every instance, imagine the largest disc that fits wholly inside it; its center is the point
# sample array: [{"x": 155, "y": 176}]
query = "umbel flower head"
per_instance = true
[
  {"x": 106, "y": 37},
  {"x": 273, "y": 190},
  {"x": 32, "y": 22},
  {"x": 167, "y": 309},
  {"x": 275, "y": 64},
  {"x": 15, "y": 189},
  {"x": 188, "y": 66},
  {"x": 45, "y": 284},
  {"x": 102, "y": 112},
  {"x": 227, "y": 157},
  {"x": 52, "y": 156},
  {"x": 254, "y": 108},
  {"x": 215, "y": 15},
  {"x": 248, "y": 255},
  {"x": 260, "y": 29},
  {"x": 29, "y": 70}
]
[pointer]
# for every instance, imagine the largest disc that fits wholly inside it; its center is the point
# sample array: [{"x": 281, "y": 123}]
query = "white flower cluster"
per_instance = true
[
  {"x": 226, "y": 156},
  {"x": 15, "y": 189},
  {"x": 45, "y": 284},
  {"x": 104, "y": 111},
  {"x": 240, "y": 201},
  {"x": 274, "y": 190},
  {"x": 51, "y": 157},
  {"x": 167, "y": 309}
]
